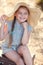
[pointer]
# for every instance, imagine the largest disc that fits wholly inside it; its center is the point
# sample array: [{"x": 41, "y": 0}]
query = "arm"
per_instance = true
[
  {"x": 3, "y": 28},
  {"x": 26, "y": 34}
]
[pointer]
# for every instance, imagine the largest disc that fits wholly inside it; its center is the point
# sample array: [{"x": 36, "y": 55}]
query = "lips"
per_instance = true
[{"x": 22, "y": 18}]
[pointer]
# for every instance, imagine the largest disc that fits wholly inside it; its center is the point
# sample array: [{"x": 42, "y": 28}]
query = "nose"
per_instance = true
[{"x": 22, "y": 15}]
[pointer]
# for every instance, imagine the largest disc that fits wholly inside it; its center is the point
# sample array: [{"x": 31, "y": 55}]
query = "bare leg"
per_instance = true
[
  {"x": 23, "y": 50},
  {"x": 12, "y": 55}
]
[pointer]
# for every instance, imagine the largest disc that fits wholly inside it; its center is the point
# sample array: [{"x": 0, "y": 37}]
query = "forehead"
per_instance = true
[{"x": 22, "y": 9}]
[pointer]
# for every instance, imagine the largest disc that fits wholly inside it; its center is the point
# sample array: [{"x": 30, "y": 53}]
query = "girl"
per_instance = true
[{"x": 20, "y": 35}]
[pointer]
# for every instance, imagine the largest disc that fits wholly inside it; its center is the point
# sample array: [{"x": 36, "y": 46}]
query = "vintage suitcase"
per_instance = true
[{"x": 5, "y": 61}]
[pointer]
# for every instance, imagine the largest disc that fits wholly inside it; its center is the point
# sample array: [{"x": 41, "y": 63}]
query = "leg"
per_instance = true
[
  {"x": 12, "y": 55},
  {"x": 23, "y": 50}
]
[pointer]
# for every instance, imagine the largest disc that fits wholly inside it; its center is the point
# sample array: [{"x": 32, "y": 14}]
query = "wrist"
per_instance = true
[{"x": 25, "y": 28}]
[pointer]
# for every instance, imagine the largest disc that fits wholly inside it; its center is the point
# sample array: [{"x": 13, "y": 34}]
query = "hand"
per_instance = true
[
  {"x": 3, "y": 17},
  {"x": 25, "y": 24}
]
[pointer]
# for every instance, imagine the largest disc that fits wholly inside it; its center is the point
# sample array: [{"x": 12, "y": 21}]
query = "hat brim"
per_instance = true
[{"x": 34, "y": 12}]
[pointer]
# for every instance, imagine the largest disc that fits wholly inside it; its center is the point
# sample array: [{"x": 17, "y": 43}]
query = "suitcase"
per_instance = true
[{"x": 5, "y": 61}]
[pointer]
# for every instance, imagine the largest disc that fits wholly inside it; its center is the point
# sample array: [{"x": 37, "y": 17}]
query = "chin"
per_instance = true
[{"x": 22, "y": 21}]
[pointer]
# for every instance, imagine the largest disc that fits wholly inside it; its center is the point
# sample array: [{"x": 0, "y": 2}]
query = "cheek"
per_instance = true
[
  {"x": 17, "y": 16},
  {"x": 26, "y": 17}
]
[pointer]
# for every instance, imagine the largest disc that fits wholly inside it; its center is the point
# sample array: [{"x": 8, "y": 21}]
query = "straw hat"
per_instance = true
[
  {"x": 34, "y": 12},
  {"x": 10, "y": 9}
]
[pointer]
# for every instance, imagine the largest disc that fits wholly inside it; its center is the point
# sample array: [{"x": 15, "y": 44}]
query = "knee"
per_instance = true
[
  {"x": 20, "y": 62},
  {"x": 23, "y": 48}
]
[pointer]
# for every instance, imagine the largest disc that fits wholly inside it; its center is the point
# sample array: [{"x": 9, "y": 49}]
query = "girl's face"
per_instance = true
[{"x": 22, "y": 14}]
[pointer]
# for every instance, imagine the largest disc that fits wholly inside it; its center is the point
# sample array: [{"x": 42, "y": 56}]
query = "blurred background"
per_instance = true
[{"x": 36, "y": 39}]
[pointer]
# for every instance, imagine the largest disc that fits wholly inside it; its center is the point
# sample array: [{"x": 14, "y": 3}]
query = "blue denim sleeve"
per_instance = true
[{"x": 29, "y": 28}]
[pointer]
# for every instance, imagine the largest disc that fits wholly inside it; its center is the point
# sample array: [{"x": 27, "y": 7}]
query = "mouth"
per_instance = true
[
  {"x": 24, "y": 21},
  {"x": 22, "y": 18}
]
